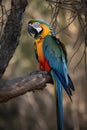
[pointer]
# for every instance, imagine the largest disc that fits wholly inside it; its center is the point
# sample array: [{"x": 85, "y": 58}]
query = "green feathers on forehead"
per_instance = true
[
  {"x": 39, "y": 21},
  {"x": 43, "y": 22}
]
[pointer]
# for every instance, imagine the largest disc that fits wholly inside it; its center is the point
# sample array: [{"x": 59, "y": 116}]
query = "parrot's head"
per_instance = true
[{"x": 39, "y": 28}]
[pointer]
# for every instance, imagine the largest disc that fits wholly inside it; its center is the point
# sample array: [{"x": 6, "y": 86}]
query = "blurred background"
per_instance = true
[{"x": 36, "y": 110}]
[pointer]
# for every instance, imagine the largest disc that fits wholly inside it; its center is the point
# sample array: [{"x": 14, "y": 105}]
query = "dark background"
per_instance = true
[{"x": 36, "y": 110}]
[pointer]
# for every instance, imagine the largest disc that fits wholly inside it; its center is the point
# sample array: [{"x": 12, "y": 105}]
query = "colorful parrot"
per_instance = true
[{"x": 52, "y": 57}]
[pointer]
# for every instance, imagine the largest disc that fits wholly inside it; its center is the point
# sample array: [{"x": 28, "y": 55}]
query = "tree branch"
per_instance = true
[
  {"x": 34, "y": 81},
  {"x": 10, "y": 38}
]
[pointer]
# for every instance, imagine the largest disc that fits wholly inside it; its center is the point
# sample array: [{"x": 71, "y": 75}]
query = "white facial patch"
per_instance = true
[{"x": 37, "y": 26}]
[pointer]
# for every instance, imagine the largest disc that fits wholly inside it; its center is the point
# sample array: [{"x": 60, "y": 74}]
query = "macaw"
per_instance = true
[{"x": 52, "y": 57}]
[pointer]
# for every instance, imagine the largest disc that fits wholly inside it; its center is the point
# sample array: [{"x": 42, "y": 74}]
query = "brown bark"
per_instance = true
[
  {"x": 13, "y": 88},
  {"x": 10, "y": 38}
]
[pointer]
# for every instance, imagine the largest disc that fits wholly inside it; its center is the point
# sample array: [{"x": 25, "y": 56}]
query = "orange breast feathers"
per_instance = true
[{"x": 43, "y": 63}]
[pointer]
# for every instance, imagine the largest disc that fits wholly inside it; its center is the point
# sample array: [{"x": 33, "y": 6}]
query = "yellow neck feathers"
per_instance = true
[{"x": 46, "y": 31}]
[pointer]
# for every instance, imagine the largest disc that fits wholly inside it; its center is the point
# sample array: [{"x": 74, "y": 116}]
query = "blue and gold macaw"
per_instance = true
[{"x": 52, "y": 57}]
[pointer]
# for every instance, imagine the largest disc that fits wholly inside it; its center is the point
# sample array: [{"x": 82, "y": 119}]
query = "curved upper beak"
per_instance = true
[{"x": 31, "y": 30}]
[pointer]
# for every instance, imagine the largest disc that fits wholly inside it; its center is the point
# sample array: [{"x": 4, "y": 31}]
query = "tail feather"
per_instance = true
[
  {"x": 71, "y": 83},
  {"x": 63, "y": 82},
  {"x": 59, "y": 80},
  {"x": 70, "y": 91},
  {"x": 68, "y": 87},
  {"x": 59, "y": 104}
]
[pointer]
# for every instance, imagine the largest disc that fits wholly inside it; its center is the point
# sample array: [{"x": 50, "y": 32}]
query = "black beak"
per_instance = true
[{"x": 32, "y": 30}]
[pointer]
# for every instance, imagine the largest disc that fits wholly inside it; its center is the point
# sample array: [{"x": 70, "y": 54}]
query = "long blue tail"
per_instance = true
[
  {"x": 59, "y": 80},
  {"x": 59, "y": 104}
]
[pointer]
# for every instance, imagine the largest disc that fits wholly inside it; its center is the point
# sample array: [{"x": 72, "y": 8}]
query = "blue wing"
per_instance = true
[{"x": 56, "y": 56}]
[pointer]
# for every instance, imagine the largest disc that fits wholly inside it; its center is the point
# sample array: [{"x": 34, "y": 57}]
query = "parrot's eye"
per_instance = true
[{"x": 34, "y": 28}]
